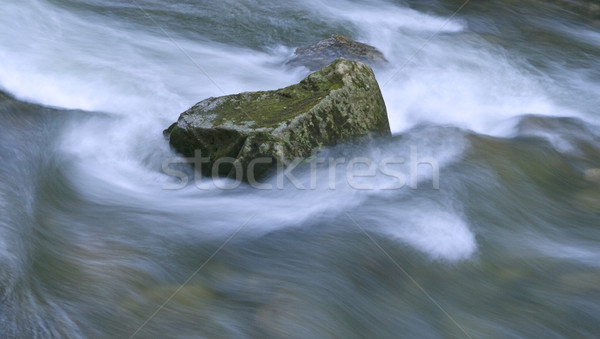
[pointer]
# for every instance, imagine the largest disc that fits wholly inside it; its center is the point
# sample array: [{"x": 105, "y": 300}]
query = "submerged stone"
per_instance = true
[
  {"x": 592, "y": 175},
  {"x": 339, "y": 102},
  {"x": 322, "y": 53},
  {"x": 587, "y": 8}
]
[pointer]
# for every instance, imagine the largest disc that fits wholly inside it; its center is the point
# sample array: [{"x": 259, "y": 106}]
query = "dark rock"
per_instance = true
[{"x": 322, "y": 53}]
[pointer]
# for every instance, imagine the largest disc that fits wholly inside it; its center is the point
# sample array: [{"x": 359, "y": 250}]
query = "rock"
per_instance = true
[
  {"x": 592, "y": 175},
  {"x": 339, "y": 102},
  {"x": 322, "y": 53},
  {"x": 285, "y": 316}
]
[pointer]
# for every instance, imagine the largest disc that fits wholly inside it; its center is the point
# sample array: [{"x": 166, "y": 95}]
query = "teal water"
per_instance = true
[{"x": 503, "y": 97}]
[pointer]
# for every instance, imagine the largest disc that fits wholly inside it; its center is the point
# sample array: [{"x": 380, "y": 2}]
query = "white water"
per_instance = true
[
  {"x": 147, "y": 78},
  {"x": 148, "y": 75},
  {"x": 70, "y": 60}
]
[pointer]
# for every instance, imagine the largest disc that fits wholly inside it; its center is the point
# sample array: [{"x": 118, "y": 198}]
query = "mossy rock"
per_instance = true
[
  {"x": 337, "y": 103},
  {"x": 336, "y": 46}
]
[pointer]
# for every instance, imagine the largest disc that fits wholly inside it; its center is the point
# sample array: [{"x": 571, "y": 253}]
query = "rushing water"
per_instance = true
[{"x": 504, "y": 97}]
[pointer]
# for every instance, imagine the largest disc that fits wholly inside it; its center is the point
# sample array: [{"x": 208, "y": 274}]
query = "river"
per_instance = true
[{"x": 499, "y": 238}]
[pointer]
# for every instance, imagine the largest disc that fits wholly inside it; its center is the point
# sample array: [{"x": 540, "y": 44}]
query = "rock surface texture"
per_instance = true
[
  {"x": 322, "y": 53},
  {"x": 339, "y": 102}
]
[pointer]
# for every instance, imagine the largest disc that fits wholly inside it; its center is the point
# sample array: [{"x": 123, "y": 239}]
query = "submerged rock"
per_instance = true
[
  {"x": 336, "y": 46},
  {"x": 592, "y": 175},
  {"x": 338, "y": 102},
  {"x": 587, "y": 8}
]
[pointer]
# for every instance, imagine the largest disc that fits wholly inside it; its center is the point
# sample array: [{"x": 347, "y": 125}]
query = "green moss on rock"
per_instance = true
[{"x": 339, "y": 102}]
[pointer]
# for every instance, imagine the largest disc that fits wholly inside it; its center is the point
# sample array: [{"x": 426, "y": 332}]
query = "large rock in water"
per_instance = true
[
  {"x": 337, "y": 103},
  {"x": 322, "y": 53}
]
